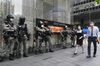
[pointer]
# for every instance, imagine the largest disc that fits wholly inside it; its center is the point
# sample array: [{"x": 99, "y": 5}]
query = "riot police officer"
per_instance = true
[
  {"x": 23, "y": 35},
  {"x": 64, "y": 34},
  {"x": 43, "y": 35},
  {"x": 47, "y": 38},
  {"x": 39, "y": 35},
  {"x": 73, "y": 36},
  {"x": 9, "y": 35}
]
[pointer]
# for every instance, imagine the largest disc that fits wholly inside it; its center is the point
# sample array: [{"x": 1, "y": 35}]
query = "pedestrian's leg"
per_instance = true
[
  {"x": 73, "y": 42},
  {"x": 76, "y": 49},
  {"x": 82, "y": 49},
  {"x": 95, "y": 47},
  {"x": 89, "y": 48}
]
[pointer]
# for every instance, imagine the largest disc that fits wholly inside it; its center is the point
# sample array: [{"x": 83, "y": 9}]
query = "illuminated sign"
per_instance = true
[{"x": 56, "y": 29}]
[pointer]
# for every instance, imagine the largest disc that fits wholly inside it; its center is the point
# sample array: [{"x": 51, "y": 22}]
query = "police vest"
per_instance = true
[
  {"x": 9, "y": 30},
  {"x": 64, "y": 33},
  {"x": 22, "y": 30}
]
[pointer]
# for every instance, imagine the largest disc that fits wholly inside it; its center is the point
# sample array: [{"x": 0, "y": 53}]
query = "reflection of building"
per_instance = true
[
  {"x": 55, "y": 10},
  {"x": 27, "y": 9},
  {"x": 0, "y": 22},
  {"x": 0, "y": 9},
  {"x": 8, "y": 7},
  {"x": 86, "y": 10}
]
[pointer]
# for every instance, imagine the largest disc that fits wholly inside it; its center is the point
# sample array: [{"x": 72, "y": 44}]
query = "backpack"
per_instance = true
[{"x": 85, "y": 31}]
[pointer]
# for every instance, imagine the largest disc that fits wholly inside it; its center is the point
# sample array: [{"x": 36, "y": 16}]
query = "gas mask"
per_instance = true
[{"x": 21, "y": 21}]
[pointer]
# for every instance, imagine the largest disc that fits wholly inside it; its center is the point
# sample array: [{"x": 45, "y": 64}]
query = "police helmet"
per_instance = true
[
  {"x": 10, "y": 16},
  {"x": 22, "y": 20}
]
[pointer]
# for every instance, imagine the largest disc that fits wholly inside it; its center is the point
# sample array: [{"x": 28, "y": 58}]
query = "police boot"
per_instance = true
[
  {"x": 11, "y": 57},
  {"x": 46, "y": 50},
  {"x": 18, "y": 55},
  {"x": 25, "y": 55},
  {"x": 36, "y": 52},
  {"x": 72, "y": 46},
  {"x": 50, "y": 50},
  {"x": 1, "y": 59},
  {"x": 40, "y": 51},
  {"x": 64, "y": 47}
]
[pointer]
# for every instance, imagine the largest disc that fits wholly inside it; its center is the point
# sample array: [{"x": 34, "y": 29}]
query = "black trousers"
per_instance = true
[{"x": 90, "y": 40}]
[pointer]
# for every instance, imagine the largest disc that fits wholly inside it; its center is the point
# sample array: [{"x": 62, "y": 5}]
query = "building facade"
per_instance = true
[
  {"x": 7, "y": 8},
  {"x": 54, "y": 10},
  {"x": 85, "y": 11}
]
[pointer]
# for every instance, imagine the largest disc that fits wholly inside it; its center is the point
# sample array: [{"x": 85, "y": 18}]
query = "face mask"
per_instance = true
[
  {"x": 42, "y": 26},
  {"x": 11, "y": 19}
]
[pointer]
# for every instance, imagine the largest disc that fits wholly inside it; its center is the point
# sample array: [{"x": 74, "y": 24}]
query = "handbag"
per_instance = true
[{"x": 98, "y": 40}]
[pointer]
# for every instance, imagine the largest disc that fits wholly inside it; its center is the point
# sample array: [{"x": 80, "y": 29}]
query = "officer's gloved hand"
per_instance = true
[{"x": 28, "y": 38}]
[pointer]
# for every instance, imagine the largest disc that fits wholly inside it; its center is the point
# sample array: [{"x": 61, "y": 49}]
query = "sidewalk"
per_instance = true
[{"x": 62, "y": 57}]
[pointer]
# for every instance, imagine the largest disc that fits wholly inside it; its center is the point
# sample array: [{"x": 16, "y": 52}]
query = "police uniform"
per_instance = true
[
  {"x": 63, "y": 38},
  {"x": 9, "y": 38},
  {"x": 22, "y": 37},
  {"x": 47, "y": 39},
  {"x": 40, "y": 38}
]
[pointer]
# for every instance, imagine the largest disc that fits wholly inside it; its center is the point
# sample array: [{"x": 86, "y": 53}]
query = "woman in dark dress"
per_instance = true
[{"x": 79, "y": 40}]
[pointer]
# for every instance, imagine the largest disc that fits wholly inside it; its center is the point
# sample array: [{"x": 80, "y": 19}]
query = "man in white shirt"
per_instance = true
[{"x": 93, "y": 34}]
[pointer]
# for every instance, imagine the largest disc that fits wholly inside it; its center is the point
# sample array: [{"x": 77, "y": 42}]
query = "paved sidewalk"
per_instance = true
[{"x": 62, "y": 57}]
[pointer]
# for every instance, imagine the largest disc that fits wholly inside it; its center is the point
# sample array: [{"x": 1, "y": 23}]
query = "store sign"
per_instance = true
[{"x": 56, "y": 29}]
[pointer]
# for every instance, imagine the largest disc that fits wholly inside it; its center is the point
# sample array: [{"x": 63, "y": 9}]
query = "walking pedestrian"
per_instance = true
[
  {"x": 79, "y": 40},
  {"x": 93, "y": 35}
]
